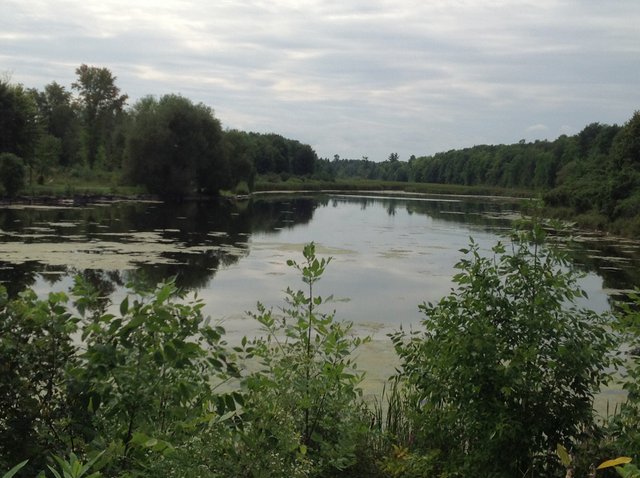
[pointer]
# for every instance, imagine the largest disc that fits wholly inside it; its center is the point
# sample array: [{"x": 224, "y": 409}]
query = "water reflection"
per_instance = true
[
  {"x": 391, "y": 251},
  {"x": 136, "y": 241}
]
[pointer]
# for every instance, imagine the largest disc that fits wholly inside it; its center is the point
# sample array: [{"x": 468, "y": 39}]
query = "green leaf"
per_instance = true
[
  {"x": 124, "y": 306},
  {"x": 55, "y": 473},
  {"x": 164, "y": 293},
  {"x": 15, "y": 469},
  {"x": 564, "y": 456},
  {"x": 151, "y": 442},
  {"x": 170, "y": 351}
]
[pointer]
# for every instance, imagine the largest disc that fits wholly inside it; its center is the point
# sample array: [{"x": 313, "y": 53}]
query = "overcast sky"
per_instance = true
[{"x": 350, "y": 77}]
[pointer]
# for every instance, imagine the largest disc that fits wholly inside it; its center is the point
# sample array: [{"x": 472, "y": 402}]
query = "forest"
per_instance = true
[
  {"x": 591, "y": 178},
  {"x": 171, "y": 147}
]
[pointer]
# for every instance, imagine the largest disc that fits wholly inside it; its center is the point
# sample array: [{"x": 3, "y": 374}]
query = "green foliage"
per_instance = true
[
  {"x": 12, "y": 173},
  {"x": 308, "y": 378},
  {"x": 628, "y": 471},
  {"x": 59, "y": 118},
  {"x": 149, "y": 373},
  {"x": 501, "y": 375},
  {"x": 604, "y": 177},
  {"x": 36, "y": 350},
  {"x": 15, "y": 469},
  {"x": 47, "y": 156},
  {"x": 506, "y": 366},
  {"x": 269, "y": 153},
  {"x": 242, "y": 188},
  {"x": 135, "y": 384},
  {"x": 101, "y": 105},
  {"x": 18, "y": 126},
  {"x": 175, "y": 148},
  {"x": 74, "y": 468},
  {"x": 625, "y": 426}
]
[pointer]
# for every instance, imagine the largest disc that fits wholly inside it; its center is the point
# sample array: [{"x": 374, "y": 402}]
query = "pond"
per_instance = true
[{"x": 390, "y": 254}]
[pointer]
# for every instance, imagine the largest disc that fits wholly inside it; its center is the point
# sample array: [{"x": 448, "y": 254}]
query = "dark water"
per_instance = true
[{"x": 389, "y": 254}]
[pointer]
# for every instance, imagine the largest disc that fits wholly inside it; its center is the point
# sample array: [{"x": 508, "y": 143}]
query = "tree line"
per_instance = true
[
  {"x": 592, "y": 177},
  {"x": 176, "y": 148},
  {"x": 169, "y": 144}
]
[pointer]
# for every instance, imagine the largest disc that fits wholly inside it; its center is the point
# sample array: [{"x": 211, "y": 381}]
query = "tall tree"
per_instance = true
[
  {"x": 303, "y": 160},
  {"x": 101, "y": 104},
  {"x": 175, "y": 147},
  {"x": 59, "y": 118},
  {"x": 18, "y": 126}
]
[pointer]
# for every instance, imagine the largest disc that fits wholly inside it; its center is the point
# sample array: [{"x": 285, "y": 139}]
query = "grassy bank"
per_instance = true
[
  {"x": 298, "y": 184},
  {"x": 104, "y": 183}
]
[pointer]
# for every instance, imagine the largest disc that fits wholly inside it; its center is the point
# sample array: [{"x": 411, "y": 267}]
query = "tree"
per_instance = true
[
  {"x": 240, "y": 150},
  {"x": 47, "y": 156},
  {"x": 304, "y": 159},
  {"x": 101, "y": 103},
  {"x": 18, "y": 126},
  {"x": 59, "y": 118},
  {"x": 175, "y": 148},
  {"x": 506, "y": 366},
  {"x": 12, "y": 173},
  {"x": 626, "y": 146}
]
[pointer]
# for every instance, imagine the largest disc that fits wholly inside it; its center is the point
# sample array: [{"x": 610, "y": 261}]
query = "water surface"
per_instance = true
[{"x": 389, "y": 253}]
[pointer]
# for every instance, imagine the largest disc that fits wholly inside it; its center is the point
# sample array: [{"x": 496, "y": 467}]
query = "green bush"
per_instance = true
[
  {"x": 242, "y": 188},
  {"x": 12, "y": 174},
  {"x": 506, "y": 366},
  {"x": 36, "y": 351},
  {"x": 308, "y": 378},
  {"x": 625, "y": 426},
  {"x": 504, "y": 369}
]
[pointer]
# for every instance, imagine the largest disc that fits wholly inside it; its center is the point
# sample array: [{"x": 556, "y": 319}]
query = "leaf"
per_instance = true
[
  {"x": 621, "y": 460},
  {"x": 14, "y": 470},
  {"x": 151, "y": 442},
  {"x": 164, "y": 293},
  {"x": 170, "y": 351},
  {"x": 55, "y": 473},
  {"x": 124, "y": 306},
  {"x": 564, "y": 456}
]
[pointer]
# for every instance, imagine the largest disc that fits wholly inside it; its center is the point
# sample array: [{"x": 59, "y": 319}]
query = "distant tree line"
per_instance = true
[
  {"x": 168, "y": 144},
  {"x": 593, "y": 176}
]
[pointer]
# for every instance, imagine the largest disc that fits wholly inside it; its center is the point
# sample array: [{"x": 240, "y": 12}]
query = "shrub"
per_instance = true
[
  {"x": 506, "y": 366},
  {"x": 308, "y": 379},
  {"x": 242, "y": 188},
  {"x": 626, "y": 425},
  {"x": 12, "y": 174}
]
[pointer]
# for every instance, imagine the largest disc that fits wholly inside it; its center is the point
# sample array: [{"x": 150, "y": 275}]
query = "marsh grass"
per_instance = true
[{"x": 305, "y": 184}]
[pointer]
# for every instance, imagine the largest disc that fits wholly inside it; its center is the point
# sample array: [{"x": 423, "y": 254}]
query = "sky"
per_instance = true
[{"x": 356, "y": 78}]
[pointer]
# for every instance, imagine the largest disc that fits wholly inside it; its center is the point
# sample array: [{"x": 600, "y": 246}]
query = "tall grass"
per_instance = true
[{"x": 390, "y": 422}]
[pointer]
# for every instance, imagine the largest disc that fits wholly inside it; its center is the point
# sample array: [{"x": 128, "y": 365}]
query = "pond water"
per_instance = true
[{"x": 390, "y": 254}]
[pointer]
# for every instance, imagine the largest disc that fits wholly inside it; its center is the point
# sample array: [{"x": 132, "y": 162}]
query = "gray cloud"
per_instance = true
[{"x": 353, "y": 78}]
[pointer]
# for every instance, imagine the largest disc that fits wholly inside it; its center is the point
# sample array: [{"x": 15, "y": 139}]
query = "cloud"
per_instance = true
[{"x": 353, "y": 78}]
